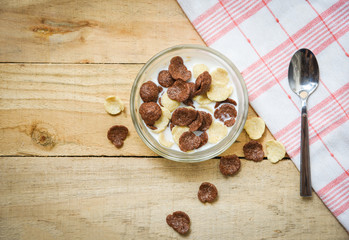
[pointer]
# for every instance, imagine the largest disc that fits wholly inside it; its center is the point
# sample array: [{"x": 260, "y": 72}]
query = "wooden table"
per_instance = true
[{"x": 60, "y": 178}]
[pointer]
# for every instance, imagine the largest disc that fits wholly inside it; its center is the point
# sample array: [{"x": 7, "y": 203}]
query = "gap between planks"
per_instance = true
[
  {"x": 111, "y": 156},
  {"x": 68, "y": 63}
]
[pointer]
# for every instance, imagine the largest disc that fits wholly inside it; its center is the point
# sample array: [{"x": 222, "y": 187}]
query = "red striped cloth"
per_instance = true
[{"x": 260, "y": 37}]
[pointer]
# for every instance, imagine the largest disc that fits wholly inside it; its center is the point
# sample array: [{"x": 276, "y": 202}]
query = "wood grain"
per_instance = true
[
  {"x": 91, "y": 31},
  {"x": 129, "y": 198},
  {"x": 63, "y": 103},
  {"x": 51, "y": 106}
]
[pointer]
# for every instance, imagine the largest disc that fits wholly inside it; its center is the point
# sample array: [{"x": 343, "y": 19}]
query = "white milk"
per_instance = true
[{"x": 189, "y": 62}]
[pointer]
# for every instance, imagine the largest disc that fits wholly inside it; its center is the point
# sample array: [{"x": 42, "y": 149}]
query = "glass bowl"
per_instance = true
[{"x": 161, "y": 61}]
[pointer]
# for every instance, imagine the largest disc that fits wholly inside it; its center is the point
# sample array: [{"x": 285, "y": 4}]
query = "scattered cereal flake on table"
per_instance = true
[
  {"x": 168, "y": 103},
  {"x": 219, "y": 92},
  {"x": 202, "y": 99},
  {"x": 229, "y": 164},
  {"x": 177, "y": 132},
  {"x": 253, "y": 150},
  {"x": 255, "y": 127},
  {"x": 198, "y": 69},
  {"x": 207, "y": 107},
  {"x": 113, "y": 105},
  {"x": 207, "y": 192},
  {"x": 163, "y": 121},
  {"x": 117, "y": 135},
  {"x": 275, "y": 151},
  {"x": 216, "y": 132},
  {"x": 163, "y": 141},
  {"x": 179, "y": 221},
  {"x": 220, "y": 76}
]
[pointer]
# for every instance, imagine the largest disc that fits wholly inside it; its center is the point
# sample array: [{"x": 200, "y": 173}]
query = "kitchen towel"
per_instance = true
[{"x": 260, "y": 37}]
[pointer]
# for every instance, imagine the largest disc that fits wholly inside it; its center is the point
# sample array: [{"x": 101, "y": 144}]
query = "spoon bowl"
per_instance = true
[{"x": 303, "y": 78}]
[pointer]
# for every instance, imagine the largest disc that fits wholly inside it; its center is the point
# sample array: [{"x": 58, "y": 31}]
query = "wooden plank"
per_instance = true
[
  {"x": 129, "y": 198},
  {"x": 64, "y": 104},
  {"x": 98, "y": 31}
]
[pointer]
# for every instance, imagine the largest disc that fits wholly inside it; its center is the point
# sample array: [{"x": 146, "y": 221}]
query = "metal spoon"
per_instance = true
[{"x": 303, "y": 77}]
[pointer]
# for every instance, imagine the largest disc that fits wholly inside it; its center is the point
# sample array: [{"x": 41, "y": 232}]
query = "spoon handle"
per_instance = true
[{"x": 305, "y": 188}]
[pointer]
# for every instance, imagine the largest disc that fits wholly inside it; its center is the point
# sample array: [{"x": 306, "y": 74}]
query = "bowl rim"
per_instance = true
[{"x": 209, "y": 155}]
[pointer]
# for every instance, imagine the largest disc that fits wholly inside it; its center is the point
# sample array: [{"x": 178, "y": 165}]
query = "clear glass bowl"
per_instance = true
[{"x": 151, "y": 69}]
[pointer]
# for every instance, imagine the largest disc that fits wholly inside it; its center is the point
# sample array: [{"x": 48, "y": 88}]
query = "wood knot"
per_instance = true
[{"x": 43, "y": 135}]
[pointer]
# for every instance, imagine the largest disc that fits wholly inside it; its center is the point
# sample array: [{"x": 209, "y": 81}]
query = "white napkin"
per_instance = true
[{"x": 260, "y": 38}]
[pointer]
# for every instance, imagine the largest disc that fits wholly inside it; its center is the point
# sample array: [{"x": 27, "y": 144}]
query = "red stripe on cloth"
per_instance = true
[
  {"x": 285, "y": 56},
  {"x": 216, "y": 17},
  {"x": 328, "y": 124},
  {"x": 335, "y": 200},
  {"x": 206, "y": 14},
  {"x": 323, "y": 121},
  {"x": 318, "y": 136},
  {"x": 282, "y": 66},
  {"x": 255, "y": 50},
  {"x": 210, "y": 40},
  {"x": 335, "y": 189},
  {"x": 298, "y": 35},
  {"x": 335, "y": 38},
  {"x": 256, "y": 93},
  {"x": 277, "y": 20},
  {"x": 220, "y": 22},
  {"x": 341, "y": 209},
  {"x": 280, "y": 70},
  {"x": 323, "y": 191},
  {"x": 344, "y": 90}
]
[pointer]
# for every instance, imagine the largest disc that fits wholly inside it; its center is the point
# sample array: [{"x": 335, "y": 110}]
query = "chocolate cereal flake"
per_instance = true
[
  {"x": 192, "y": 89},
  {"x": 206, "y": 121},
  {"x": 117, "y": 134},
  {"x": 196, "y": 124},
  {"x": 179, "y": 221},
  {"x": 204, "y": 139},
  {"x": 230, "y": 122},
  {"x": 189, "y": 141},
  {"x": 179, "y": 91},
  {"x": 189, "y": 102},
  {"x": 203, "y": 83},
  {"x": 226, "y": 113},
  {"x": 253, "y": 150},
  {"x": 149, "y": 92},
  {"x": 165, "y": 79},
  {"x": 207, "y": 192},
  {"x": 183, "y": 116},
  {"x": 150, "y": 112},
  {"x": 228, "y": 100},
  {"x": 229, "y": 164},
  {"x": 178, "y": 70}
]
